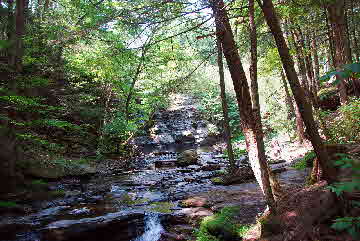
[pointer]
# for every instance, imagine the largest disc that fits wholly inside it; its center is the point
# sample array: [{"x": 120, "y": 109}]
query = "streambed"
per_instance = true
[{"x": 144, "y": 204}]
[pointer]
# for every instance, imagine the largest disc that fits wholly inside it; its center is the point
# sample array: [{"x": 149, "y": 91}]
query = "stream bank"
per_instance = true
[{"x": 154, "y": 197}]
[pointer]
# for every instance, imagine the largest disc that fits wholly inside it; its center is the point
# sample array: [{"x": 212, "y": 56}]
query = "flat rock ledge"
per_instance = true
[{"x": 124, "y": 225}]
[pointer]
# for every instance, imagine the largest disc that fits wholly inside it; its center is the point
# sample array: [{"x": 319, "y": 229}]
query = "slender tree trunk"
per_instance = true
[
  {"x": 288, "y": 99},
  {"x": 10, "y": 30},
  {"x": 39, "y": 8},
  {"x": 46, "y": 5},
  {"x": 19, "y": 33},
  {"x": 346, "y": 18},
  {"x": 355, "y": 41},
  {"x": 300, "y": 129},
  {"x": 135, "y": 78},
  {"x": 302, "y": 73},
  {"x": 316, "y": 68},
  {"x": 305, "y": 109},
  {"x": 252, "y": 129},
  {"x": 300, "y": 61},
  {"x": 337, "y": 20},
  {"x": 224, "y": 104},
  {"x": 253, "y": 65},
  {"x": 331, "y": 52},
  {"x": 309, "y": 68}
]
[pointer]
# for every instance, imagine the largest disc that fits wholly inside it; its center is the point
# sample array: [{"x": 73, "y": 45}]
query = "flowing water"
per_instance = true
[{"x": 153, "y": 228}]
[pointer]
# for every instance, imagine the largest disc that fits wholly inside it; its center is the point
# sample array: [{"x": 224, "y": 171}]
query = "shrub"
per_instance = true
[
  {"x": 346, "y": 127},
  {"x": 348, "y": 224}
]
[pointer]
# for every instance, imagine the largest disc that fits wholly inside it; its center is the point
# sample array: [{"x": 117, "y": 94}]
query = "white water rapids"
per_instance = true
[{"x": 153, "y": 228}]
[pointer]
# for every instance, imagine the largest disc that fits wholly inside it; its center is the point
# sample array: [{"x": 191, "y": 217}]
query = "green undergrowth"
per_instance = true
[
  {"x": 6, "y": 204},
  {"x": 221, "y": 226},
  {"x": 305, "y": 162},
  {"x": 346, "y": 127},
  {"x": 39, "y": 182}
]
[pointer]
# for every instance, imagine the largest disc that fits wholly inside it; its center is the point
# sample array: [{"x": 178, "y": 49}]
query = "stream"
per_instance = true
[{"x": 145, "y": 203}]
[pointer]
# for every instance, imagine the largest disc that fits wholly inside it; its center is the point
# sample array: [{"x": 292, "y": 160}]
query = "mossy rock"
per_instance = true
[
  {"x": 217, "y": 181},
  {"x": 327, "y": 92},
  {"x": 220, "y": 226},
  {"x": 186, "y": 158},
  {"x": 54, "y": 169},
  {"x": 328, "y": 98}
]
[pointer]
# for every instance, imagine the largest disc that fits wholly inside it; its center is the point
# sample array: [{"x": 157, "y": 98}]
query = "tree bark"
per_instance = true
[
  {"x": 316, "y": 68},
  {"x": 331, "y": 53},
  {"x": 300, "y": 60},
  {"x": 253, "y": 65},
  {"x": 135, "y": 78},
  {"x": 252, "y": 129},
  {"x": 8, "y": 156},
  {"x": 16, "y": 61},
  {"x": 309, "y": 67},
  {"x": 288, "y": 99},
  {"x": 302, "y": 73},
  {"x": 355, "y": 41},
  {"x": 337, "y": 21},
  {"x": 224, "y": 104},
  {"x": 300, "y": 129},
  {"x": 10, "y": 28},
  {"x": 305, "y": 109}
]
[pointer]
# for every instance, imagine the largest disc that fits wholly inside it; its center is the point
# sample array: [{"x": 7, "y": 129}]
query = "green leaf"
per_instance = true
[
  {"x": 4, "y": 44},
  {"x": 354, "y": 67}
]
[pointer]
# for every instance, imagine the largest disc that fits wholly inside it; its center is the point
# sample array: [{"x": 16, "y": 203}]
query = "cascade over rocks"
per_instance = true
[{"x": 179, "y": 125}]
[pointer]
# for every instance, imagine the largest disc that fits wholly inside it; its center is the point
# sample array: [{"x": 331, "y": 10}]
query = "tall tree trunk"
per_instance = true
[
  {"x": 16, "y": 61},
  {"x": 331, "y": 52},
  {"x": 8, "y": 156},
  {"x": 10, "y": 30},
  {"x": 346, "y": 18},
  {"x": 253, "y": 65},
  {"x": 46, "y": 5},
  {"x": 355, "y": 41},
  {"x": 309, "y": 68},
  {"x": 302, "y": 73},
  {"x": 316, "y": 68},
  {"x": 305, "y": 109},
  {"x": 300, "y": 129},
  {"x": 252, "y": 129},
  {"x": 135, "y": 78},
  {"x": 337, "y": 20},
  {"x": 300, "y": 60},
  {"x": 288, "y": 99},
  {"x": 224, "y": 104}
]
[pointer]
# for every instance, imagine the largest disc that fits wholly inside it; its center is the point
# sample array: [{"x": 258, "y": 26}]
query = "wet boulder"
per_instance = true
[
  {"x": 328, "y": 98},
  {"x": 211, "y": 167},
  {"x": 112, "y": 227},
  {"x": 240, "y": 175},
  {"x": 186, "y": 158}
]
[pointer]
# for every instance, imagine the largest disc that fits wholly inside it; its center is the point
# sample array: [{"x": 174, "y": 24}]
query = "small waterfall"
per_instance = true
[{"x": 153, "y": 228}]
